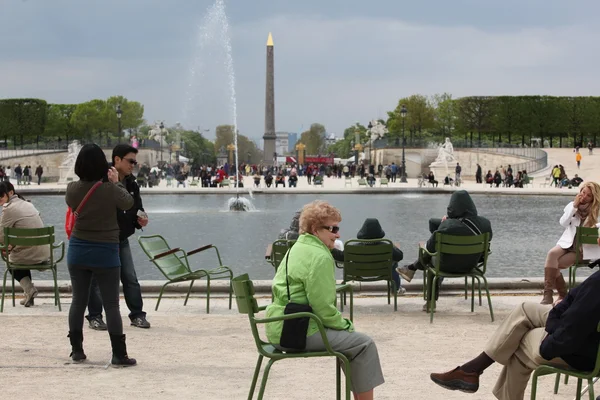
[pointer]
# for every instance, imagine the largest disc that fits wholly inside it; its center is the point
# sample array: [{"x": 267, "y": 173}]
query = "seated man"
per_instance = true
[
  {"x": 181, "y": 179},
  {"x": 268, "y": 179},
  {"x": 532, "y": 335},
  {"x": 431, "y": 179},
  {"x": 371, "y": 180},
  {"x": 256, "y": 178},
  {"x": 292, "y": 180},
  {"x": 448, "y": 180},
  {"x": 461, "y": 220},
  {"x": 576, "y": 181},
  {"x": 279, "y": 179}
]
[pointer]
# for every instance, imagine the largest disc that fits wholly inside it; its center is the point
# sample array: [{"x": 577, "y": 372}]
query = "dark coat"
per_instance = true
[
  {"x": 293, "y": 232},
  {"x": 128, "y": 220},
  {"x": 572, "y": 326},
  {"x": 461, "y": 206},
  {"x": 371, "y": 229}
]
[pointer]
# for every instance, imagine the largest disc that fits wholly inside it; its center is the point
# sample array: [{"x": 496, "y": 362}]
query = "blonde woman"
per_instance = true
[
  {"x": 583, "y": 211},
  {"x": 311, "y": 276}
]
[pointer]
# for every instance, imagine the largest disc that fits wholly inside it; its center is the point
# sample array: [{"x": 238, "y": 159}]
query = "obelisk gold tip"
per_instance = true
[{"x": 270, "y": 40}]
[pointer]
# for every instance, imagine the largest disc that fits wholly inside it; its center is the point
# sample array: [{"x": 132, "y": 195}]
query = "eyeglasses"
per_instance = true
[
  {"x": 332, "y": 229},
  {"x": 131, "y": 161}
]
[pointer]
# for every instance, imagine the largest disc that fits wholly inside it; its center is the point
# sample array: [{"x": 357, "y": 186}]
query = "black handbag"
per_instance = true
[{"x": 293, "y": 334}]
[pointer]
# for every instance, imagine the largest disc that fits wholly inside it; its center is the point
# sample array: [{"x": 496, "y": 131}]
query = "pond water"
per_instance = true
[{"x": 525, "y": 227}]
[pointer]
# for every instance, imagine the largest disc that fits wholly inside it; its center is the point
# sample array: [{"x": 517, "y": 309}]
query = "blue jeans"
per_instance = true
[
  {"x": 396, "y": 276},
  {"x": 131, "y": 287}
]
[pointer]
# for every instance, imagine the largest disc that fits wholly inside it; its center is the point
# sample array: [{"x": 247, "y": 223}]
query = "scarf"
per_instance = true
[{"x": 584, "y": 211}]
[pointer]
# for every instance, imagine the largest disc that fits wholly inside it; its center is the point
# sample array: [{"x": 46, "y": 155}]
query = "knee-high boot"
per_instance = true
[
  {"x": 119, "y": 350},
  {"x": 561, "y": 286},
  {"x": 549, "y": 283},
  {"x": 76, "y": 338}
]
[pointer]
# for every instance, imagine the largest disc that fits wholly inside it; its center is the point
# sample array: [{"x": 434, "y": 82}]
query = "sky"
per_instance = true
[{"x": 337, "y": 62}]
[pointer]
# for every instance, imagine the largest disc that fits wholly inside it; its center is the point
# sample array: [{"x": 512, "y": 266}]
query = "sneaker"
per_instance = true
[
  {"x": 140, "y": 322},
  {"x": 98, "y": 324},
  {"x": 28, "y": 300},
  {"x": 457, "y": 379},
  {"x": 401, "y": 291},
  {"x": 406, "y": 273}
]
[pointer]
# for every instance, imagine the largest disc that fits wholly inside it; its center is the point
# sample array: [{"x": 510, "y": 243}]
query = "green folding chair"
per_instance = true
[
  {"x": 590, "y": 376},
  {"x": 370, "y": 261},
  {"x": 582, "y": 236},
  {"x": 455, "y": 245},
  {"x": 247, "y": 304},
  {"x": 31, "y": 237},
  {"x": 174, "y": 265}
]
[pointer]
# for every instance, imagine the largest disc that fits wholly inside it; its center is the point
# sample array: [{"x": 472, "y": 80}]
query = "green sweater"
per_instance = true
[{"x": 312, "y": 281}]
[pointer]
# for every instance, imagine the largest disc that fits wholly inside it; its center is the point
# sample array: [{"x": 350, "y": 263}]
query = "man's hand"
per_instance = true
[
  {"x": 444, "y": 218},
  {"x": 557, "y": 302},
  {"x": 142, "y": 221}
]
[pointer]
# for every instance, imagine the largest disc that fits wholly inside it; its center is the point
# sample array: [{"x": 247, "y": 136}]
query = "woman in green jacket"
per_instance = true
[{"x": 312, "y": 281}]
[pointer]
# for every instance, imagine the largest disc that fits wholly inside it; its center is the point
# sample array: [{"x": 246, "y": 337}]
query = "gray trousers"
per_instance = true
[{"x": 360, "y": 350}]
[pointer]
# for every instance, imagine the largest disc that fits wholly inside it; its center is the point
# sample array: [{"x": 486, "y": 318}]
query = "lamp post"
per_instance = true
[
  {"x": 370, "y": 143},
  {"x": 162, "y": 126},
  {"x": 119, "y": 112},
  {"x": 403, "y": 112}
]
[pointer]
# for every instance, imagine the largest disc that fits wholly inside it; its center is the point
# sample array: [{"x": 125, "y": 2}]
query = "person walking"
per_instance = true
[
  {"x": 18, "y": 174},
  {"x": 124, "y": 160},
  {"x": 39, "y": 171},
  {"x": 457, "y": 172},
  {"x": 578, "y": 157},
  {"x": 94, "y": 248},
  {"x": 478, "y": 174}
]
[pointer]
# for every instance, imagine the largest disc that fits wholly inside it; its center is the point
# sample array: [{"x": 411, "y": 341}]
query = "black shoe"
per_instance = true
[
  {"x": 98, "y": 324},
  {"x": 119, "y": 350},
  {"x": 76, "y": 338},
  {"x": 140, "y": 322}
]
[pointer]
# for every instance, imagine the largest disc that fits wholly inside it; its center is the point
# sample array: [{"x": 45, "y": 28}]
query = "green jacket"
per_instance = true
[{"x": 312, "y": 281}]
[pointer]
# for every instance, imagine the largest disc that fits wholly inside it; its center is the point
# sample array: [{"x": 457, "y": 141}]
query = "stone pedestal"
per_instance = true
[
  {"x": 64, "y": 173},
  {"x": 440, "y": 172}
]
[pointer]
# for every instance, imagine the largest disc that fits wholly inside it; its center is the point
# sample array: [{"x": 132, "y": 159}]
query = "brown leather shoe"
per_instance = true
[{"x": 457, "y": 379}]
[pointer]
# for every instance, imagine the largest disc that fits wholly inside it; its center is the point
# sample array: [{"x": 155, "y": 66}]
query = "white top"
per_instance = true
[{"x": 570, "y": 221}]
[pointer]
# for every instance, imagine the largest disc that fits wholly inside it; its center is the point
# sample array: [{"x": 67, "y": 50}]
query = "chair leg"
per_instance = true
[
  {"x": 591, "y": 389},
  {"x": 579, "y": 382},
  {"x": 534, "y": 385},
  {"x": 338, "y": 379},
  {"x": 351, "y": 304},
  {"x": 188, "y": 293},
  {"x": 208, "y": 294},
  {"x": 348, "y": 377},
  {"x": 479, "y": 288},
  {"x": 56, "y": 294},
  {"x": 230, "y": 288},
  {"x": 162, "y": 289},
  {"x": 472, "y": 294},
  {"x": 487, "y": 292},
  {"x": 255, "y": 377},
  {"x": 389, "y": 289},
  {"x": 432, "y": 300},
  {"x": 263, "y": 383},
  {"x": 395, "y": 289},
  {"x": 466, "y": 287},
  {"x": 3, "y": 291},
  {"x": 556, "y": 383},
  {"x": 13, "y": 290}
]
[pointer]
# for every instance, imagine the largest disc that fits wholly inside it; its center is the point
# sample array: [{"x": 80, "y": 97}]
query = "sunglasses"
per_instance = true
[
  {"x": 332, "y": 229},
  {"x": 131, "y": 161}
]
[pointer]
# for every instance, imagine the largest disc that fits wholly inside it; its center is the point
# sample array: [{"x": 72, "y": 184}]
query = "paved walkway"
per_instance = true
[{"x": 190, "y": 355}]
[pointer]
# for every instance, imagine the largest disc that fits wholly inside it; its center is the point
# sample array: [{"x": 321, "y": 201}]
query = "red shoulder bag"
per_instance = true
[{"x": 71, "y": 216}]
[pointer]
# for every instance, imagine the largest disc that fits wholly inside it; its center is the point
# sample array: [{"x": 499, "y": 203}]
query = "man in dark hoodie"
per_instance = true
[
  {"x": 292, "y": 232},
  {"x": 461, "y": 220},
  {"x": 532, "y": 335},
  {"x": 371, "y": 229}
]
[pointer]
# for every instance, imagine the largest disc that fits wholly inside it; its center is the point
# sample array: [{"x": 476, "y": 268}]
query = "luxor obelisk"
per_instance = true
[{"x": 269, "y": 136}]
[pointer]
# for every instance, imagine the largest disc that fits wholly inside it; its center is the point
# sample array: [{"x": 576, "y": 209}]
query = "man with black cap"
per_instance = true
[{"x": 461, "y": 220}]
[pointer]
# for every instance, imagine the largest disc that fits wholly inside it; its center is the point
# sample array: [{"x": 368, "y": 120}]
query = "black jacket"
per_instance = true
[
  {"x": 128, "y": 219},
  {"x": 572, "y": 326},
  {"x": 371, "y": 229},
  {"x": 461, "y": 207}
]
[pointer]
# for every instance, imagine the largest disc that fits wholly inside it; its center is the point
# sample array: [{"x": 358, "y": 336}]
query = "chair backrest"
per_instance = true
[
  {"x": 28, "y": 237},
  {"x": 584, "y": 235},
  {"x": 171, "y": 266},
  {"x": 461, "y": 245},
  {"x": 225, "y": 182},
  {"x": 368, "y": 260},
  {"x": 279, "y": 249},
  {"x": 244, "y": 295}
]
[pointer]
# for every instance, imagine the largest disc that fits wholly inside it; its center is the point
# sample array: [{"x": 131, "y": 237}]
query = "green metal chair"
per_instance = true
[
  {"x": 582, "y": 236},
  {"x": 590, "y": 376},
  {"x": 369, "y": 261},
  {"x": 177, "y": 269},
  {"x": 458, "y": 245},
  {"x": 31, "y": 237},
  {"x": 247, "y": 304},
  {"x": 279, "y": 249}
]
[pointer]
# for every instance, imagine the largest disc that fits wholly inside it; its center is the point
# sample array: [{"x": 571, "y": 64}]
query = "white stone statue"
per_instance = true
[
  {"x": 156, "y": 133},
  {"x": 445, "y": 153},
  {"x": 72, "y": 153},
  {"x": 378, "y": 130}
]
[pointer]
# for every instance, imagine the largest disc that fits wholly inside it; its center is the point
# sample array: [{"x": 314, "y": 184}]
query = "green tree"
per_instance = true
[
  {"x": 197, "y": 148},
  {"x": 58, "y": 122},
  {"x": 247, "y": 149},
  {"x": 444, "y": 114},
  {"x": 23, "y": 118},
  {"x": 418, "y": 121},
  {"x": 314, "y": 139},
  {"x": 132, "y": 114},
  {"x": 90, "y": 117}
]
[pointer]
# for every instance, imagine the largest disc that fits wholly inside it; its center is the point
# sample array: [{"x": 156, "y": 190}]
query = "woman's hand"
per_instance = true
[
  {"x": 577, "y": 201},
  {"x": 113, "y": 175}
]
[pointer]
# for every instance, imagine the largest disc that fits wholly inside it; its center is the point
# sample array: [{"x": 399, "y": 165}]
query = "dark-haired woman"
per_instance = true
[
  {"x": 94, "y": 248},
  {"x": 19, "y": 213}
]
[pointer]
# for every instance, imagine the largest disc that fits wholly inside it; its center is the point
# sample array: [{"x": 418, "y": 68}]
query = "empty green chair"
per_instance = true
[
  {"x": 459, "y": 245},
  {"x": 31, "y": 237},
  {"x": 370, "y": 260},
  {"x": 247, "y": 304},
  {"x": 174, "y": 265}
]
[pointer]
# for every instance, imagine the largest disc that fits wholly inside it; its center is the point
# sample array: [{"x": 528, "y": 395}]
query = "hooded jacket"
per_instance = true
[
  {"x": 371, "y": 229},
  {"x": 460, "y": 207},
  {"x": 292, "y": 232}
]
